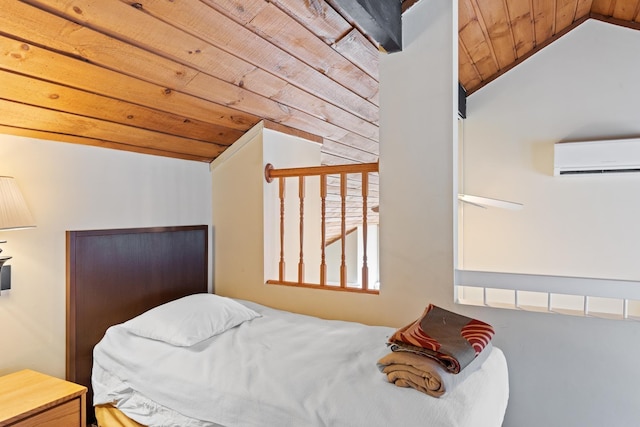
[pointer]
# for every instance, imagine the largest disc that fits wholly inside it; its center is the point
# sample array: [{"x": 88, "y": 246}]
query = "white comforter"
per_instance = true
[{"x": 280, "y": 370}]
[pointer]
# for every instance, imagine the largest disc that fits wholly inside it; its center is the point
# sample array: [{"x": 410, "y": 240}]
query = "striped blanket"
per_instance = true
[{"x": 449, "y": 338}]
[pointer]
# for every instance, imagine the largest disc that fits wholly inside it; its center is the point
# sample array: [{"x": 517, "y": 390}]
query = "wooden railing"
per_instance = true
[{"x": 346, "y": 202}]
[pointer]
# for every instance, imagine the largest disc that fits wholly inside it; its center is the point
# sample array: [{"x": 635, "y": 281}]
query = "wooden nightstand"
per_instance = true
[{"x": 29, "y": 398}]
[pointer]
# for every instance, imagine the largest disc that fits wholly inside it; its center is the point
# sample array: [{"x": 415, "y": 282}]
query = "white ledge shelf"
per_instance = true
[{"x": 574, "y": 296}]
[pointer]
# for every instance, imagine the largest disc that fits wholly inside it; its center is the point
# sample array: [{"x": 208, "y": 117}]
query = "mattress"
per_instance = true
[{"x": 283, "y": 369}]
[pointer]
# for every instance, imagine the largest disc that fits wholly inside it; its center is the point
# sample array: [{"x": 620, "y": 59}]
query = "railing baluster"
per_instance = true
[
  {"x": 322, "y": 172},
  {"x": 365, "y": 193},
  {"x": 301, "y": 261},
  {"x": 323, "y": 201},
  {"x": 343, "y": 229},
  {"x": 281, "y": 264}
]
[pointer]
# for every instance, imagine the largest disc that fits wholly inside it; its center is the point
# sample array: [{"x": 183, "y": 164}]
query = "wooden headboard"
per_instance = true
[{"x": 114, "y": 275}]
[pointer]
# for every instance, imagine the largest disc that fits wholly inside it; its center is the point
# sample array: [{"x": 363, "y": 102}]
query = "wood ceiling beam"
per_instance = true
[{"x": 379, "y": 19}]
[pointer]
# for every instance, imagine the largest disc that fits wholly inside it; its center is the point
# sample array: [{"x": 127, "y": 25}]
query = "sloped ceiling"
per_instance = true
[
  {"x": 186, "y": 78},
  {"x": 496, "y": 35}
]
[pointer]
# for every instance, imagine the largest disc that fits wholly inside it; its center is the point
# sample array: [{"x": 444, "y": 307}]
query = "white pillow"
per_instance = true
[{"x": 189, "y": 320}]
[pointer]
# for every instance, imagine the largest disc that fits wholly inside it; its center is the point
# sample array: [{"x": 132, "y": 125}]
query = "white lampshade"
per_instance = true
[{"x": 14, "y": 212}]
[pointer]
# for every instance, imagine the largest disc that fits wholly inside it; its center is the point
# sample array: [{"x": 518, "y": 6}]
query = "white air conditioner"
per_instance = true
[{"x": 596, "y": 157}]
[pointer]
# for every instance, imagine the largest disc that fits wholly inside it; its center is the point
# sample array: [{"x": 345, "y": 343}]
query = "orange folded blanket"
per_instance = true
[
  {"x": 449, "y": 338},
  {"x": 412, "y": 370},
  {"x": 406, "y": 369}
]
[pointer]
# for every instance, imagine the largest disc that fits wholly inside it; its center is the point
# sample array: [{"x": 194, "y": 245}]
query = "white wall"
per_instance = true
[
  {"x": 72, "y": 187},
  {"x": 565, "y": 371},
  {"x": 242, "y": 197},
  {"x": 582, "y": 87},
  {"x": 416, "y": 244},
  {"x": 334, "y": 258},
  {"x": 288, "y": 151}
]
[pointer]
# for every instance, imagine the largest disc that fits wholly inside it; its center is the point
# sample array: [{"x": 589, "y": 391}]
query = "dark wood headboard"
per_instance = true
[{"x": 114, "y": 275}]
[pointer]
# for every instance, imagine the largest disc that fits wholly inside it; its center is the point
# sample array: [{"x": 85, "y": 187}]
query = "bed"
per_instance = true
[{"x": 185, "y": 364}]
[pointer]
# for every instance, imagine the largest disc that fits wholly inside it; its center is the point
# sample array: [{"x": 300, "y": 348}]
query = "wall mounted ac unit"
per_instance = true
[{"x": 596, "y": 157}]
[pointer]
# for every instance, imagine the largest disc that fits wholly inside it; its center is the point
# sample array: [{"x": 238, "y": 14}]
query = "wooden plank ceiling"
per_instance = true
[
  {"x": 496, "y": 35},
  {"x": 186, "y": 78}
]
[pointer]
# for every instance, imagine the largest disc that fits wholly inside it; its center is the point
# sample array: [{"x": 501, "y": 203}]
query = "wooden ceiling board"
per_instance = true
[
  {"x": 327, "y": 158},
  {"x": 627, "y": 11},
  {"x": 63, "y": 36},
  {"x": 565, "y": 14},
  {"x": 521, "y": 19},
  {"x": 239, "y": 97},
  {"x": 23, "y": 89},
  {"x": 160, "y": 63},
  {"x": 186, "y": 78},
  {"x": 357, "y": 49},
  {"x": 278, "y": 28},
  {"x": 476, "y": 42},
  {"x": 498, "y": 29},
  {"x": 198, "y": 20},
  {"x": 223, "y": 65},
  {"x": 75, "y": 139},
  {"x": 31, "y": 60},
  {"x": 318, "y": 16},
  {"x": 467, "y": 71},
  {"x": 161, "y": 39},
  {"x": 354, "y": 180},
  {"x": 32, "y": 117},
  {"x": 603, "y": 7},
  {"x": 543, "y": 19},
  {"x": 348, "y": 153},
  {"x": 238, "y": 10},
  {"x": 485, "y": 52},
  {"x": 583, "y": 8}
]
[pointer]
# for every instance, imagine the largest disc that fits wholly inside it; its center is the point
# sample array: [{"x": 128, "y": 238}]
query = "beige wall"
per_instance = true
[
  {"x": 583, "y": 226},
  {"x": 238, "y": 194},
  {"x": 421, "y": 236},
  {"x": 72, "y": 187}
]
